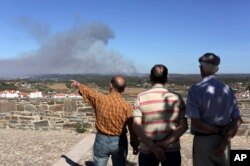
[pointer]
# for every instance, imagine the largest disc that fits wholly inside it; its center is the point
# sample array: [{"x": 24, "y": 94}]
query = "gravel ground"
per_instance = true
[
  {"x": 35, "y": 148},
  {"x": 43, "y": 148}
]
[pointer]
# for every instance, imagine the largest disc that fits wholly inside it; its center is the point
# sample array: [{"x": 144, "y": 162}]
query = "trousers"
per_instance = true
[{"x": 114, "y": 146}]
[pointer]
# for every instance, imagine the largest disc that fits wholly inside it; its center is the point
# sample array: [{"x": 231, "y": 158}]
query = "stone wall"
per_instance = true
[
  {"x": 51, "y": 114},
  {"x": 45, "y": 114}
]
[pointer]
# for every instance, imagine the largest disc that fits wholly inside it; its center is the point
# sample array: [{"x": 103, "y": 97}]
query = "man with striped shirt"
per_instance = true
[{"x": 159, "y": 120}]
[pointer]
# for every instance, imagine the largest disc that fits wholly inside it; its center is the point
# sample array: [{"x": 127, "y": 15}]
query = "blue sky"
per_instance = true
[{"x": 146, "y": 32}]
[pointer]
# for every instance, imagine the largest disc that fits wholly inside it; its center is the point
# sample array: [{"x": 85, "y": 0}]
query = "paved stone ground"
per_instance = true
[
  {"x": 43, "y": 148},
  {"x": 35, "y": 148},
  {"x": 239, "y": 142}
]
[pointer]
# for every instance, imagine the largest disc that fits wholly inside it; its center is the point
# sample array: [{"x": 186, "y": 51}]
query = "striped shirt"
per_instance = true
[
  {"x": 112, "y": 111},
  {"x": 213, "y": 102},
  {"x": 161, "y": 111}
]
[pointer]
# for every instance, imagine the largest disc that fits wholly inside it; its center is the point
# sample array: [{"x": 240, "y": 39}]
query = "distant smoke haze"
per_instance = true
[{"x": 82, "y": 49}]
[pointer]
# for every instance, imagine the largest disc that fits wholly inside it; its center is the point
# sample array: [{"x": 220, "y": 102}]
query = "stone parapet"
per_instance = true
[
  {"x": 59, "y": 114},
  {"x": 42, "y": 114}
]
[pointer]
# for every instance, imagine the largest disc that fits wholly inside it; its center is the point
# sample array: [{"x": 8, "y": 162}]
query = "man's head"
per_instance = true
[
  {"x": 209, "y": 63},
  {"x": 159, "y": 74},
  {"x": 117, "y": 83}
]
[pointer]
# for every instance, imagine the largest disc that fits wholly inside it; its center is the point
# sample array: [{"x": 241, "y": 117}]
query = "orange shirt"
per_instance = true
[{"x": 112, "y": 110}]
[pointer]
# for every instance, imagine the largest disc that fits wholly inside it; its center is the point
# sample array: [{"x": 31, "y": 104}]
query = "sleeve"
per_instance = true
[
  {"x": 89, "y": 94},
  {"x": 236, "y": 111},
  {"x": 193, "y": 105},
  {"x": 136, "y": 108},
  {"x": 182, "y": 108}
]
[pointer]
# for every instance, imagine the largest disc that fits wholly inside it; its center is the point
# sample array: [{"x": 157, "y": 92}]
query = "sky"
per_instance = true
[{"x": 121, "y": 36}]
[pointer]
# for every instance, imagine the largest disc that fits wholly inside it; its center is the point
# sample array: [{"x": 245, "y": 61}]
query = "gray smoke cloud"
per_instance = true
[
  {"x": 82, "y": 49},
  {"x": 38, "y": 30}
]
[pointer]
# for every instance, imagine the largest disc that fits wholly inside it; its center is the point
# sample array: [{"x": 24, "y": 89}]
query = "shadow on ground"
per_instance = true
[
  {"x": 129, "y": 163},
  {"x": 70, "y": 162}
]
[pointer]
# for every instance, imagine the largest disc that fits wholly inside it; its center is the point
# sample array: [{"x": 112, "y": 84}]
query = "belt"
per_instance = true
[
  {"x": 110, "y": 135},
  {"x": 205, "y": 134}
]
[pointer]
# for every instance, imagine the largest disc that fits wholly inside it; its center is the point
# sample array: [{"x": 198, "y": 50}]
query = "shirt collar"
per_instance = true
[
  {"x": 208, "y": 78},
  {"x": 115, "y": 93},
  {"x": 158, "y": 86}
]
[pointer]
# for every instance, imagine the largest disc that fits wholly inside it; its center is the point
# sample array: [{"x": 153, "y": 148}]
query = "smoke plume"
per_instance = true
[{"x": 82, "y": 49}]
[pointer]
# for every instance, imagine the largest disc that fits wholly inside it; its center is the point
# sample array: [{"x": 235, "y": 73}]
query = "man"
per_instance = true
[
  {"x": 214, "y": 114},
  {"x": 159, "y": 121},
  {"x": 112, "y": 115}
]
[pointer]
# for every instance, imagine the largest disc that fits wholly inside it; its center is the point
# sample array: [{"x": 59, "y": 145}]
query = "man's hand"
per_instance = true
[
  {"x": 220, "y": 150},
  {"x": 75, "y": 84},
  {"x": 158, "y": 152},
  {"x": 135, "y": 150}
]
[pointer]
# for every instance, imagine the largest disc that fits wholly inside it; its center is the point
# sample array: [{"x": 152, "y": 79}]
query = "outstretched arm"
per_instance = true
[{"x": 88, "y": 93}]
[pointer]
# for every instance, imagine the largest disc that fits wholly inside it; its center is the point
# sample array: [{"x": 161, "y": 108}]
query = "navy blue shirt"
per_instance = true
[{"x": 211, "y": 101}]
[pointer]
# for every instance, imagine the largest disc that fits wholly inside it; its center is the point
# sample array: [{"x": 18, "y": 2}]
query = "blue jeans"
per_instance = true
[
  {"x": 172, "y": 159},
  {"x": 114, "y": 146}
]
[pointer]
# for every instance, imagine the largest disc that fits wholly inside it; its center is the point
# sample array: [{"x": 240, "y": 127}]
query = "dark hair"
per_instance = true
[
  {"x": 118, "y": 86},
  {"x": 159, "y": 74}
]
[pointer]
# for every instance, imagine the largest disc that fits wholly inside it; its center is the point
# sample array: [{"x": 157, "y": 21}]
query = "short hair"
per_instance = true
[
  {"x": 210, "y": 58},
  {"x": 159, "y": 74},
  {"x": 117, "y": 85}
]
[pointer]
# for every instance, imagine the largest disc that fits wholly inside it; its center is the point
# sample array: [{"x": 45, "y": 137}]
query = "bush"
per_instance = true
[{"x": 81, "y": 127}]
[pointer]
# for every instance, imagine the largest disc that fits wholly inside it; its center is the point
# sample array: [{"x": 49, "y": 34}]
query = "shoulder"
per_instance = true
[
  {"x": 175, "y": 96},
  {"x": 196, "y": 87},
  {"x": 145, "y": 92}
]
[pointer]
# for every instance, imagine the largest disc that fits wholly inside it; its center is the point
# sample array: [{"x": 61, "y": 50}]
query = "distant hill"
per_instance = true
[{"x": 99, "y": 79}]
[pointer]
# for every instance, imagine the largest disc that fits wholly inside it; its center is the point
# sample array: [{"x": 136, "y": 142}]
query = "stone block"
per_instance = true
[
  {"x": 23, "y": 113},
  {"x": 69, "y": 125},
  {"x": 56, "y": 120},
  {"x": 247, "y": 116},
  {"x": 86, "y": 109},
  {"x": 7, "y": 106},
  {"x": 30, "y": 108},
  {"x": 90, "y": 114},
  {"x": 14, "y": 117},
  {"x": 87, "y": 104},
  {"x": 59, "y": 122},
  {"x": 27, "y": 118},
  {"x": 70, "y": 106},
  {"x": 59, "y": 102},
  {"x": 2, "y": 115},
  {"x": 7, "y": 117},
  {"x": 24, "y": 122},
  {"x": 56, "y": 107},
  {"x": 70, "y": 117},
  {"x": 51, "y": 102},
  {"x": 53, "y": 114},
  {"x": 3, "y": 122},
  {"x": 13, "y": 122},
  {"x": 20, "y": 107},
  {"x": 41, "y": 124},
  {"x": 77, "y": 120},
  {"x": 34, "y": 103},
  {"x": 24, "y": 126},
  {"x": 12, "y": 125},
  {"x": 42, "y": 108},
  {"x": 80, "y": 109}
]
